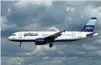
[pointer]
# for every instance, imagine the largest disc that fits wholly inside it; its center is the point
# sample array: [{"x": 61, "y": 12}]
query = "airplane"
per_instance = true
[{"x": 48, "y": 37}]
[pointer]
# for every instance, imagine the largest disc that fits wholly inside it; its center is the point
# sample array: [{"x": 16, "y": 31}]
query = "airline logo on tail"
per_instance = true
[{"x": 89, "y": 27}]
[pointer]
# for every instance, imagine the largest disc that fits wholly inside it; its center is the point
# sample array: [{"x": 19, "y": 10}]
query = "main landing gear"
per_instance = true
[{"x": 50, "y": 45}]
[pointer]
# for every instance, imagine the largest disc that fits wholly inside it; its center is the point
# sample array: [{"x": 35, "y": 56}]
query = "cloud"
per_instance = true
[
  {"x": 43, "y": 48},
  {"x": 3, "y": 40},
  {"x": 57, "y": 60},
  {"x": 98, "y": 40},
  {"x": 45, "y": 58},
  {"x": 52, "y": 15},
  {"x": 93, "y": 11},
  {"x": 98, "y": 52},
  {"x": 71, "y": 9},
  {"x": 61, "y": 52},
  {"x": 15, "y": 60},
  {"x": 40, "y": 50},
  {"x": 86, "y": 46},
  {"x": 51, "y": 28},
  {"x": 52, "y": 61},
  {"x": 32, "y": 26},
  {"x": 24, "y": 3},
  {"x": 5, "y": 25}
]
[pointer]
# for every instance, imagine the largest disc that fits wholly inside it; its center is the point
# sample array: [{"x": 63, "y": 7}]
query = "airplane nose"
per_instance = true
[{"x": 9, "y": 37}]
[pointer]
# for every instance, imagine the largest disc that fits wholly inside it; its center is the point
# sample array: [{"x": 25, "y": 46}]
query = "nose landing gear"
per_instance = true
[
  {"x": 50, "y": 45},
  {"x": 20, "y": 44}
]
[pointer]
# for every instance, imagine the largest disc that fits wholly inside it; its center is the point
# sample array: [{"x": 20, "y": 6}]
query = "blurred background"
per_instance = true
[{"x": 43, "y": 15}]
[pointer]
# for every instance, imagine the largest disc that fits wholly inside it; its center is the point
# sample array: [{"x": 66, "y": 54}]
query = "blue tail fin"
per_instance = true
[{"x": 89, "y": 27}]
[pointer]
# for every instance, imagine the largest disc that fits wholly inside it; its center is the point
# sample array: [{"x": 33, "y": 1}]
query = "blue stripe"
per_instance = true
[{"x": 91, "y": 22}]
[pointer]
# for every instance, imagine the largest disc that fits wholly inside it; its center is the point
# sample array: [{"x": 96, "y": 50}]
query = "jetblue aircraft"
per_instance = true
[{"x": 48, "y": 37}]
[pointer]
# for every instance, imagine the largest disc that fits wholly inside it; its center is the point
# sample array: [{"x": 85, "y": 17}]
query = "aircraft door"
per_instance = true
[
  {"x": 20, "y": 35},
  {"x": 79, "y": 35},
  {"x": 75, "y": 34}
]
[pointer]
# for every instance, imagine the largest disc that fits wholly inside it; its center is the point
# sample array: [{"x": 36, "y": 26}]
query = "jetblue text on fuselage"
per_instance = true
[{"x": 30, "y": 34}]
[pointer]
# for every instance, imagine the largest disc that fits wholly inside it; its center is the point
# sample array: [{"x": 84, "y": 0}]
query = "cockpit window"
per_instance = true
[{"x": 13, "y": 35}]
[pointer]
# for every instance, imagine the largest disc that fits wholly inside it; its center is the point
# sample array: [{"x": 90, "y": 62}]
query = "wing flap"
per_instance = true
[{"x": 52, "y": 37}]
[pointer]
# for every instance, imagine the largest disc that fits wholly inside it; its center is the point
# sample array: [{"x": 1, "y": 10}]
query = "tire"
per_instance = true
[{"x": 50, "y": 45}]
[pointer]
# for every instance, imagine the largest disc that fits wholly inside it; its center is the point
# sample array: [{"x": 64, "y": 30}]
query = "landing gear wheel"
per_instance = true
[{"x": 50, "y": 45}]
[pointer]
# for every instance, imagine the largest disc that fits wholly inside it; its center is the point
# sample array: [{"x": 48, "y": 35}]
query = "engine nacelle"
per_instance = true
[{"x": 40, "y": 41}]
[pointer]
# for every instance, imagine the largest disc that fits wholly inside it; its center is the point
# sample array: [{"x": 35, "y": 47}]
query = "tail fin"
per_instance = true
[{"x": 89, "y": 27}]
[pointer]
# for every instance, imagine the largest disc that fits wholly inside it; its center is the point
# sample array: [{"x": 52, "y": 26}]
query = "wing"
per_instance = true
[{"x": 52, "y": 37}]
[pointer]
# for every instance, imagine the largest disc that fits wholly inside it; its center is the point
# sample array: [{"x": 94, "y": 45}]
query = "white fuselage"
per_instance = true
[{"x": 33, "y": 35}]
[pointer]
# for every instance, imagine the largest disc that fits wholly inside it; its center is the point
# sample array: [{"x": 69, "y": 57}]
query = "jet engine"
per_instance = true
[{"x": 40, "y": 41}]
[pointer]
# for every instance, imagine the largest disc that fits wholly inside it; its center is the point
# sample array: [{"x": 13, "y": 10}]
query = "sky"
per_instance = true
[{"x": 46, "y": 15}]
